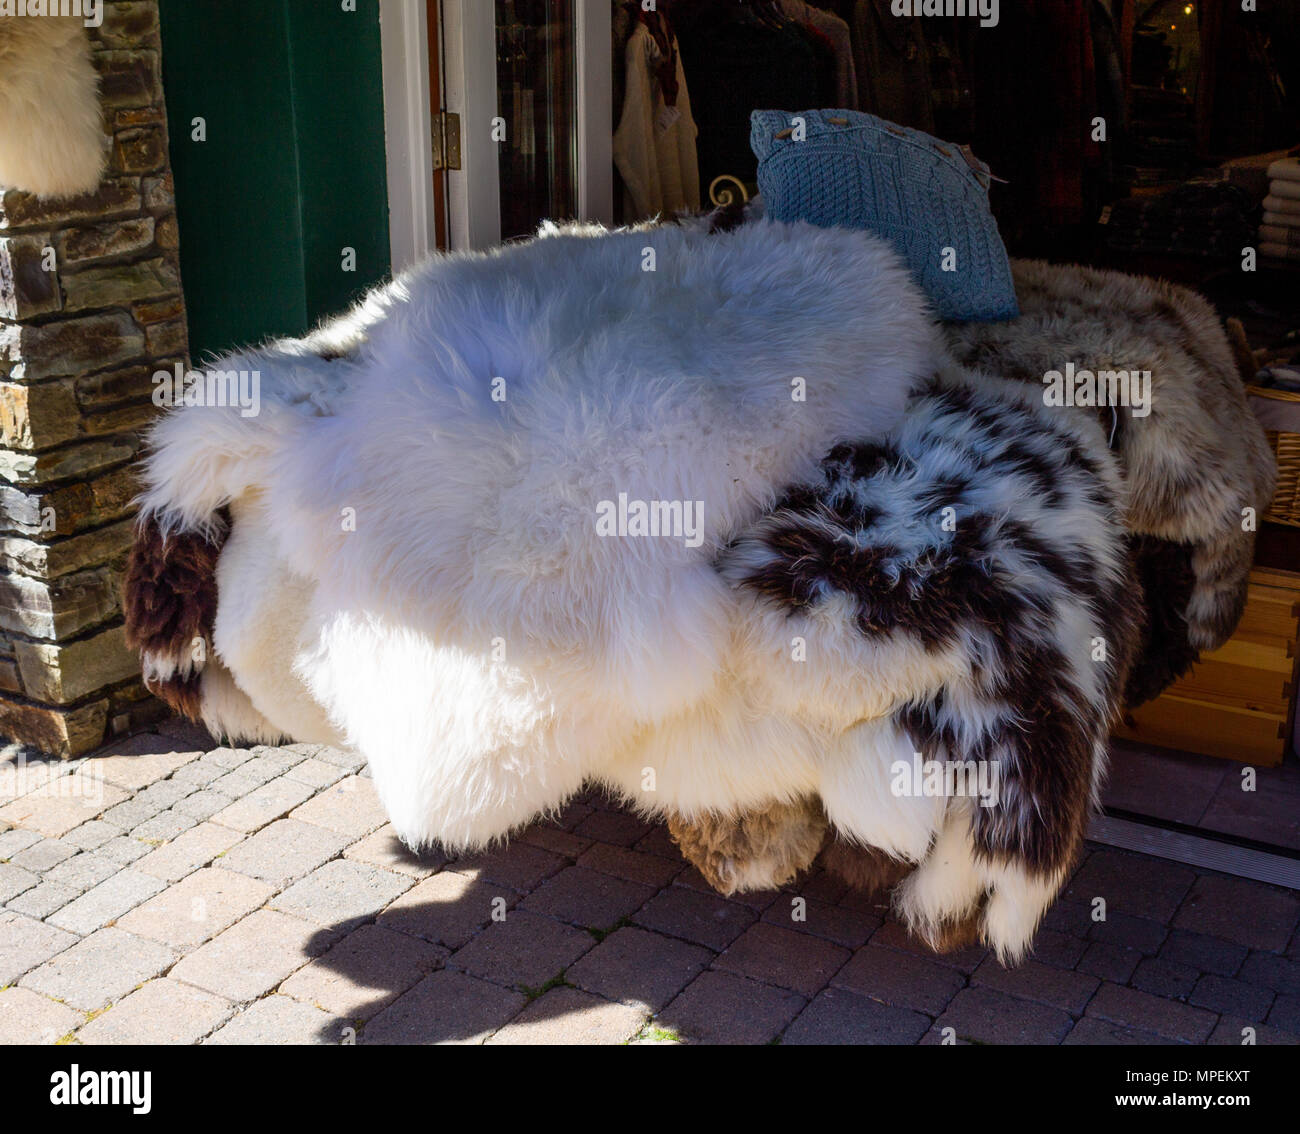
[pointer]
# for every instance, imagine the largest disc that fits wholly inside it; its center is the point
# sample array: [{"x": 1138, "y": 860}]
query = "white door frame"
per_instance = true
[
  {"x": 470, "y": 90},
  {"x": 408, "y": 131}
]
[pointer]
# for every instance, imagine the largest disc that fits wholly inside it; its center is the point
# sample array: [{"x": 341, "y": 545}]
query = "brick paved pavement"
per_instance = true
[{"x": 173, "y": 892}]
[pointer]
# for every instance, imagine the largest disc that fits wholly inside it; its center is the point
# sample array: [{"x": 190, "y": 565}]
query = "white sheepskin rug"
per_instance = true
[{"x": 435, "y": 541}]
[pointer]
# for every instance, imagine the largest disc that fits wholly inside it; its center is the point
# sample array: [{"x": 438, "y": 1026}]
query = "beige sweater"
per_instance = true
[{"x": 654, "y": 145}]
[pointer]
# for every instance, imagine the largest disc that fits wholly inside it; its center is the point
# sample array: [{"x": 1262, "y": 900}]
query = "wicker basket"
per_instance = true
[{"x": 1285, "y": 508}]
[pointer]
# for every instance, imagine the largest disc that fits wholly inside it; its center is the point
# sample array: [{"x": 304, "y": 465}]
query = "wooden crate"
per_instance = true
[{"x": 1238, "y": 702}]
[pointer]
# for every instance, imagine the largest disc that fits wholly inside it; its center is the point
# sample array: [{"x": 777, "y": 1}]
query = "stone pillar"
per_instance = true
[{"x": 90, "y": 307}]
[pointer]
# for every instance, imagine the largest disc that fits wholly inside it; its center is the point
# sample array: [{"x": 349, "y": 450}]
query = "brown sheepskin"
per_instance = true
[
  {"x": 721, "y": 846},
  {"x": 170, "y": 602}
]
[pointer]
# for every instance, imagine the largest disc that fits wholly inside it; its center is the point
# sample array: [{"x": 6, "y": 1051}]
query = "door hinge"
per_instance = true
[{"x": 446, "y": 141}]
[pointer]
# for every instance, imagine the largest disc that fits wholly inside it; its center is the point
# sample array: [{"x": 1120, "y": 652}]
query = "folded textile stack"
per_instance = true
[
  {"x": 1197, "y": 218},
  {"x": 1279, "y": 232}
]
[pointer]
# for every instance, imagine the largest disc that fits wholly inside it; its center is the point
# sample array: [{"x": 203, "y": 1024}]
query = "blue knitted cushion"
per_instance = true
[{"x": 921, "y": 194}]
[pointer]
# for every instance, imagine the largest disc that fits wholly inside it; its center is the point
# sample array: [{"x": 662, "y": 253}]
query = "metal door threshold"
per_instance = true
[{"x": 1208, "y": 850}]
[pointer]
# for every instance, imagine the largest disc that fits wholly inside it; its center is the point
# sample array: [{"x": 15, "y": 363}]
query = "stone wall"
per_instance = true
[{"x": 90, "y": 307}]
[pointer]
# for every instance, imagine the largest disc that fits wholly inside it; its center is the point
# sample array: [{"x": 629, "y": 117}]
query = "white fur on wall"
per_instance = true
[{"x": 52, "y": 141}]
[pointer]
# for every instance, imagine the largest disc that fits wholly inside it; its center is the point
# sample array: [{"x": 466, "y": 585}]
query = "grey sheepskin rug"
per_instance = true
[
  {"x": 1199, "y": 468},
  {"x": 709, "y": 516}
]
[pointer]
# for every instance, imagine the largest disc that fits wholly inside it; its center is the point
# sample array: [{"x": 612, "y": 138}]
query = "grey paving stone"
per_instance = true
[
  {"x": 342, "y": 893},
  {"x": 444, "y": 1008},
  {"x": 1115, "y": 963},
  {"x": 351, "y": 761},
  {"x": 14, "y": 880},
  {"x": 754, "y": 900},
  {"x": 840, "y": 1017},
  {"x": 26, "y": 943},
  {"x": 703, "y": 918},
  {"x": 228, "y": 758},
  {"x": 163, "y": 794},
  {"x": 254, "y": 955},
  {"x": 848, "y": 927},
  {"x": 109, "y": 900},
  {"x": 364, "y": 973},
  {"x": 275, "y": 760},
  {"x": 204, "y": 804},
  {"x": 125, "y": 849},
  {"x": 554, "y": 839},
  {"x": 1244, "y": 912},
  {"x": 1134, "y": 884},
  {"x": 1092, "y": 1032},
  {"x": 83, "y": 871},
  {"x": 262, "y": 805},
  {"x": 636, "y": 966},
  {"x": 448, "y": 908},
  {"x": 161, "y": 1011},
  {"x": 27, "y": 1017},
  {"x": 900, "y": 979},
  {"x": 722, "y": 1008},
  {"x": 1285, "y": 1013},
  {"x": 15, "y": 840},
  {"x": 41, "y": 901},
  {"x": 1070, "y": 918},
  {"x": 632, "y": 865},
  {"x": 63, "y": 804},
  {"x": 130, "y": 813},
  {"x": 351, "y": 807},
  {"x": 1031, "y": 980},
  {"x": 1232, "y": 997},
  {"x": 164, "y": 826},
  {"x": 891, "y": 935},
  {"x": 196, "y": 908},
  {"x": 384, "y": 849},
  {"x": 1268, "y": 970},
  {"x": 568, "y": 1016},
  {"x": 43, "y": 855},
  {"x": 1164, "y": 978},
  {"x": 99, "y": 969},
  {"x": 281, "y": 1021},
  {"x": 316, "y": 773},
  {"x": 198, "y": 775},
  {"x": 524, "y": 951},
  {"x": 91, "y": 835},
  {"x": 984, "y": 1015},
  {"x": 1208, "y": 954},
  {"x": 136, "y": 762},
  {"x": 188, "y": 851},
  {"x": 520, "y": 866},
  {"x": 284, "y": 851},
  {"x": 1144, "y": 1011},
  {"x": 586, "y": 897},
  {"x": 616, "y": 827},
  {"x": 1061, "y": 950},
  {"x": 779, "y": 956},
  {"x": 1128, "y": 932}
]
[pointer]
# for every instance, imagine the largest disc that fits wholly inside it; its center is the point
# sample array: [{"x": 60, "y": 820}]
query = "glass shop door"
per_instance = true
[{"x": 528, "y": 83}]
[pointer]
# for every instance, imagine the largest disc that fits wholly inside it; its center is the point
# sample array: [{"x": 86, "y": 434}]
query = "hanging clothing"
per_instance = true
[
  {"x": 893, "y": 65},
  {"x": 654, "y": 145},
  {"x": 841, "y": 39}
]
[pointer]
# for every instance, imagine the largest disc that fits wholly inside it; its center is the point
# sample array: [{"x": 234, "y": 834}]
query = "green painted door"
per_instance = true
[{"x": 276, "y": 120}]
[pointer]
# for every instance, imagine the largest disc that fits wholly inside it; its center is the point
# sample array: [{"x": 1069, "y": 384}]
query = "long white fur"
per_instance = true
[{"x": 473, "y": 636}]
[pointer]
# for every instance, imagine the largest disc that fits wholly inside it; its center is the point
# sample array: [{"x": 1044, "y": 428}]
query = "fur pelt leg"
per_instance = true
[
  {"x": 759, "y": 849},
  {"x": 52, "y": 139}
]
